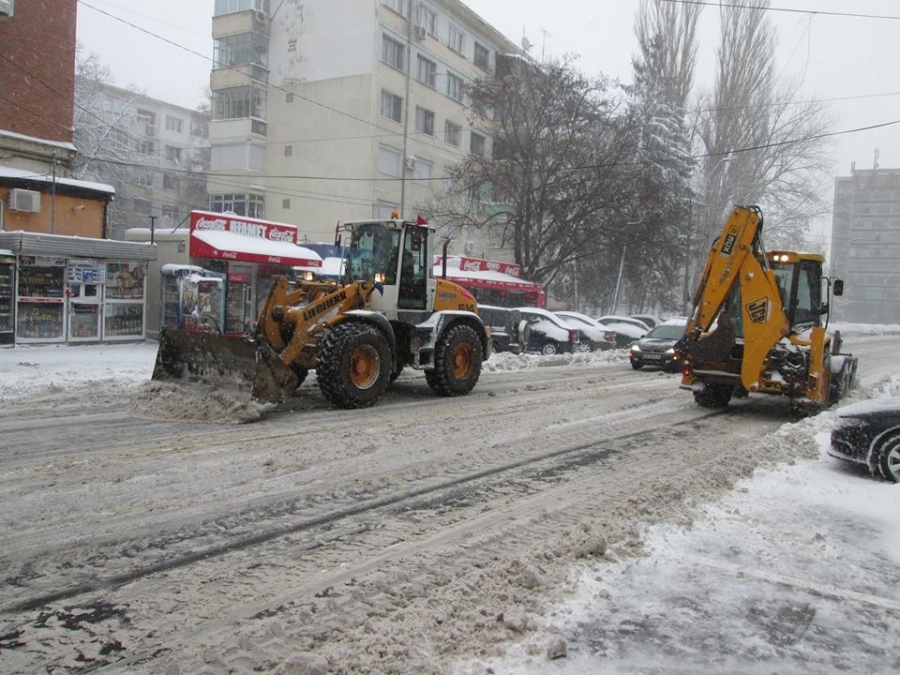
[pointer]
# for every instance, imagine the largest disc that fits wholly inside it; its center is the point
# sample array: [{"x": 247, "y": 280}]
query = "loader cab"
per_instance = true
[
  {"x": 394, "y": 254},
  {"x": 799, "y": 277}
]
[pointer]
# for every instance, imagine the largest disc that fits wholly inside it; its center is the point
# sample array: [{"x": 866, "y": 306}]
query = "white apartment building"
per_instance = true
[
  {"x": 153, "y": 152},
  {"x": 329, "y": 111}
]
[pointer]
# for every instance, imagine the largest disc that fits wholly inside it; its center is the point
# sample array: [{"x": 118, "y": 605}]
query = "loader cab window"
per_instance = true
[
  {"x": 414, "y": 269},
  {"x": 373, "y": 250},
  {"x": 800, "y": 285}
]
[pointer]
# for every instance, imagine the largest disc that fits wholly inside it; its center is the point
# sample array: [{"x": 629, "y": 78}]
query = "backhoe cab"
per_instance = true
[
  {"x": 388, "y": 312},
  {"x": 759, "y": 323}
]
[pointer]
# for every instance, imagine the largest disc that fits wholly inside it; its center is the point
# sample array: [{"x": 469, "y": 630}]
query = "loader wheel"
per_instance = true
[
  {"x": 457, "y": 362},
  {"x": 888, "y": 456},
  {"x": 715, "y": 396},
  {"x": 354, "y": 365}
]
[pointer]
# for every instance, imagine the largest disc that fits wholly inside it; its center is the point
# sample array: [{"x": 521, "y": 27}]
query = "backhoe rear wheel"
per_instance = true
[
  {"x": 354, "y": 366},
  {"x": 457, "y": 362},
  {"x": 715, "y": 396}
]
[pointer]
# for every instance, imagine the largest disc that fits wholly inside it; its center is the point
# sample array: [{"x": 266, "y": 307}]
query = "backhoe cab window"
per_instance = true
[
  {"x": 373, "y": 250},
  {"x": 801, "y": 291}
]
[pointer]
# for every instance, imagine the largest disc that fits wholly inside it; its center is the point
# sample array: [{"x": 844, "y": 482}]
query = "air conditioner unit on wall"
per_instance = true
[
  {"x": 28, "y": 201},
  {"x": 420, "y": 32},
  {"x": 411, "y": 163},
  {"x": 7, "y": 7},
  {"x": 469, "y": 247}
]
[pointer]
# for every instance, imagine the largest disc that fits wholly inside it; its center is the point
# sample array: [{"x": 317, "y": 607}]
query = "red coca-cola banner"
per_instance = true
[
  {"x": 479, "y": 265},
  {"x": 246, "y": 227}
]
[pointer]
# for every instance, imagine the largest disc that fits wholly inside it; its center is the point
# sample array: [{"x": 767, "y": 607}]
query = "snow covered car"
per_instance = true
[
  {"x": 593, "y": 335},
  {"x": 627, "y": 329},
  {"x": 548, "y": 333},
  {"x": 505, "y": 323},
  {"x": 656, "y": 348},
  {"x": 868, "y": 433},
  {"x": 649, "y": 319}
]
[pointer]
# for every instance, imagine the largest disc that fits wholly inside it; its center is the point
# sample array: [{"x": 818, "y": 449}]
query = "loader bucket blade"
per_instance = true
[
  {"x": 208, "y": 358},
  {"x": 273, "y": 380}
]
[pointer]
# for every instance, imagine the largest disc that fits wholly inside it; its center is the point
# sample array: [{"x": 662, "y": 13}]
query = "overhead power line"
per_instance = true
[{"x": 788, "y": 10}]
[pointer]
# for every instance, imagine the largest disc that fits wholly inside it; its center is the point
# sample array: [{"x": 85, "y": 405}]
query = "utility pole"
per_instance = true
[{"x": 409, "y": 27}]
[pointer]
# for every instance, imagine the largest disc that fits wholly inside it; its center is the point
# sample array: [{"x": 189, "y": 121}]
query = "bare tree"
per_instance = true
[
  {"x": 550, "y": 187},
  {"x": 759, "y": 145}
]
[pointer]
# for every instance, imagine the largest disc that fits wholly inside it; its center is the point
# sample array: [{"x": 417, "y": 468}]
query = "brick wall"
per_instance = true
[{"x": 37, "y": 69}]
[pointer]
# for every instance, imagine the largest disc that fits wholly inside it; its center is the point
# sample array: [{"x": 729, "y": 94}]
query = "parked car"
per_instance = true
[
  {"x": 627, "y": 329},
  {"x": 549, "y": 334},
  {"x": 593, "y": 335},
  {"x": 505, "y": 324},
  {"x": 656, "y": 348},
  {"x": 649, "y": 319},
  {"x": 868, "y": 433}
]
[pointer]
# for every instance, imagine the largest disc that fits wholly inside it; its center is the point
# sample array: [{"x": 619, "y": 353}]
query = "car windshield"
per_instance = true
[{"x": 667, "y": 332}]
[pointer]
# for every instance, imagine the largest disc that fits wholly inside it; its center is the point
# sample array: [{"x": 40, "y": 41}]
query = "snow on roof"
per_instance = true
[
  {"x": 290, "y": 254},
  {"x": 20, "y": 174},
  {"x": 34, "y": 139}
]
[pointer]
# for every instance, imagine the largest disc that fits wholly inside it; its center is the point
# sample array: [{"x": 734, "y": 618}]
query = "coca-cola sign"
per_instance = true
[{"x": 246, "y": 227}]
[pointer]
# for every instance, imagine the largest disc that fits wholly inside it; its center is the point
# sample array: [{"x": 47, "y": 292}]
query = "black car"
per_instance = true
[
  {"x": 505, "y": 324},
  {"x": 656, "y": 348},
  {"x": 868, "y": 433}
]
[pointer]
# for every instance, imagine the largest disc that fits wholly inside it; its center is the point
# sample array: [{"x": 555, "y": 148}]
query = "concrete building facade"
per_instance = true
[
  {"x": 865, "y": 245},
  {"x": 322, "y": 116}
]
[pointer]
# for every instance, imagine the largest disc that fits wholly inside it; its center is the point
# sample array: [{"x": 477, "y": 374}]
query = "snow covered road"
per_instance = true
[{"x": 419, "y": 536}]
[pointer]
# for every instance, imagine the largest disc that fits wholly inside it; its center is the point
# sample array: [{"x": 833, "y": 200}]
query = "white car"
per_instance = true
[
  {"x": 549, "y": 334},
  {"x": 593, "y": 335},
  {"x": 627, "y": 329}
]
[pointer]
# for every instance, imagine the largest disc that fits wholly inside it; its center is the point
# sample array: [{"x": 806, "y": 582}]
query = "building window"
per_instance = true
[
  {"x": 173, "y": 154},
  {"x": 292, "y": 45},
  {"x": 422, "y": 172},
  {"x": 482, "y": 57},
  {"x": 170, "y": 181},
  {"x": 424, "y": 121},
  {"x": 427, "y": 20},
  {"x": 454, "y": 87},
  {"x": 248, "y": 205},
  {"x": 147, "y": 147},
  {"x": 391, "y": 106},
  {"x": 239, "y": 103},
  {"x": 241, "y": 49},
  {"x": 289, "y": 98},
  {"x": 393, "y": 53},
  {"x": 389, "y": 161},
  {"x": 175, "y": 124},
  {"x": 232, "y": 6},
  {"x": 476, "y": 144},
  {"x": 146, "y": 122},
  {"x": 452, "y": 134},
  {"x": 427, "y": 72},
  {"x": 286, "y": 204},
  {"x": 398, "y": 6},
  {"x": 457, "y": 40}
]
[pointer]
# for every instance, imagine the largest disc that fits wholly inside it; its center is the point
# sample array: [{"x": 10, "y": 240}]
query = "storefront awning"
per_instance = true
[
  {"x": 224, "y": 245},
  {"x": 487, "y": 279}
]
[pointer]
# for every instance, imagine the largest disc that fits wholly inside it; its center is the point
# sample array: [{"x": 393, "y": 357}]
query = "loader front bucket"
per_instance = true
[
  {"x": 208, "y": 358},
  {"x": 273, "y": 379}
]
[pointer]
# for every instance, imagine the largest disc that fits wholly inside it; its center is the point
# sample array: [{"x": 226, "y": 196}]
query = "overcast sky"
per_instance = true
[{"x": 849, "y": 60}]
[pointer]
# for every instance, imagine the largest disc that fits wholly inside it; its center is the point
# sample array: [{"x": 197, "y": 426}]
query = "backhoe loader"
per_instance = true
[
  {"x": 758, "y": 323},
  {"x": 388, "y": 312}
]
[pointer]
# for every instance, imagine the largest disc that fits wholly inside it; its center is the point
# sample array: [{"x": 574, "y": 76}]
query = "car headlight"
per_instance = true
[
  {"x": 670, "y": 351},
  {"x": 635, "y": 349}
]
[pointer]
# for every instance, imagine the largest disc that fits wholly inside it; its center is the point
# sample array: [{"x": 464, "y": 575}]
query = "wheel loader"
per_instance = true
[
  {"x": 758, "y": 323},
  {"x": 388, "y": 312}
]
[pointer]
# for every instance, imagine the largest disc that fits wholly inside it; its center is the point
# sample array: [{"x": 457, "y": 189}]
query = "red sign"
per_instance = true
[
  {"x": 246, "y": 227},
  {"x": 479, "y": 265}
]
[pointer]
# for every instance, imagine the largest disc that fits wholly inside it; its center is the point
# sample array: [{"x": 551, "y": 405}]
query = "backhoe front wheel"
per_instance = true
[
  {"x": 457, "y": 362},
  {"x": 354, "y": 365}
]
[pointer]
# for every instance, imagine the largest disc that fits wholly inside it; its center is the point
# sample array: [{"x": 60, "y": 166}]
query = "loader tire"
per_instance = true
[
  {"x": 457, "y": 362},
  {"x": 354, "y": 366},
  {"x": 715, "y": 396}
]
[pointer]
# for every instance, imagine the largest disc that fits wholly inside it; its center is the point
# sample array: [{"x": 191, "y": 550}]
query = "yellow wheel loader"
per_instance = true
[
  {"x": 388, "y": 312},
  {"x": 759, "y": 323}
]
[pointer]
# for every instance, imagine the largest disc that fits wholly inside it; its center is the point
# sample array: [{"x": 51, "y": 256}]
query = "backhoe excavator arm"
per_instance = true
[{"x": 736, "y": 262}]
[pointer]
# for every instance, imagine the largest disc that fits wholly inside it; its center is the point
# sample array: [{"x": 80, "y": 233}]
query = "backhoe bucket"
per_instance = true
[{"x": 208, "y": 358}]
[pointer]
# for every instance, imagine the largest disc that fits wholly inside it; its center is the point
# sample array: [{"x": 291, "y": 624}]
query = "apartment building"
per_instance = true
[
  {"x": 322, "y": 116},
  {"x": 153, "y": 152},
  {"x": 865, "y": 245}
]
